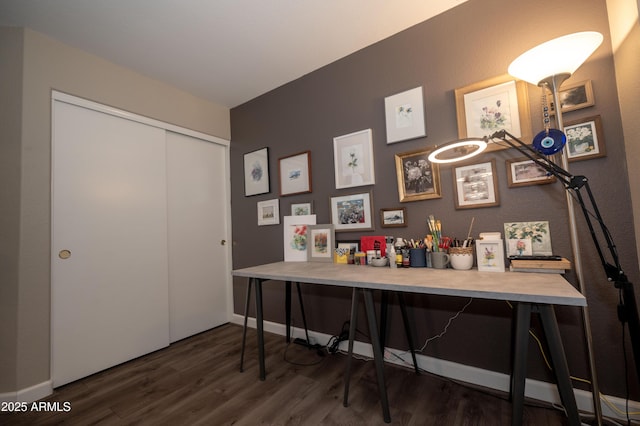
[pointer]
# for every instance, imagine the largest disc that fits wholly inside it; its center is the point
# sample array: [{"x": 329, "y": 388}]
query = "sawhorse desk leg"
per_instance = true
[
  {"x": 377, "y": 349},
  {"x": 557, "y": 355}
]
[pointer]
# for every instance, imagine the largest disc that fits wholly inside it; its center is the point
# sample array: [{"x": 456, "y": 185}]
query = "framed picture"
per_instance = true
[
  {"x": 574, "y": 96},
  {"x": 393, "y": 218},
  {"x": 490, "y": 255},
  {"x": 256, "y": 172},
  {"x": 296, "y": 230},
  {"x": 404, "y": 113},
  {"x": 585, "y": 139},
  {"x": 353, "y": 159},
  {"x": 519, "y": 246},
  {"x": 352, "y": 212},
  {"x": 500, "y": 103},
  {"x": 269, "y": 212},
  {"x": 476, "y": 185},
  {"x": 321, "y": 243},
  {"x": 525, "y": 172},
  {"x": 300, "y": 209},
  {"x": 295, "y": 174},
  {"x": 418, "y": 178},
  {"x": 537, "y": 232}
]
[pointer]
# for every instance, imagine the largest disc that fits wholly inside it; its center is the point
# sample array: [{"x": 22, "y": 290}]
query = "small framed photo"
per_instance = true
[
  {"x": 352, "y": 212},
  {"x": 418, "y": 178},
  {"x": 525, "y": 172},
  {"x": 574, "y": 96},
  {"x": 296, "y": 237},
  {"x": 499, "y": 103},
  {"x": 269, "y": 212},
  {"x": 585, "y": 139},
  {"x": 256, "y": 172},
  {"x": 536, "y": 232},
  {"x": 476, "y": 185},
  {"x": 519, "y": 247},
  {"x": 321, "y": 243},
  {"x": 490, "y": 254},
  {"x": 404, "y": 113},
  {"x": 301, "y": 209},
  {"x": 295, "y": 174},
  {"x": 353, "y": 159},
  {"x": 393, "y": 218}
]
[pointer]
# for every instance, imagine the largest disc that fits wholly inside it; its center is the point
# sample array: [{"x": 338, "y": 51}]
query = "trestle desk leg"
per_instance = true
[
  {"x": 519, "y": 374},
  {"x": 407, "y": 330},
  {"x": 244, "y": 328},
  {"x": 352, "y": 334},
  {"x": 287, "y": 309},
  {"x": 304, "y": 318},
  {"x": 377, "y": 352},
  {"x": 260, "y": 327},
  {"x": 559, "y": 362}
]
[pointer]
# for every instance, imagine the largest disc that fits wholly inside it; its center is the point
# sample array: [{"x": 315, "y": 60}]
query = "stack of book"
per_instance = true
[{"x": 554, "y": 265}]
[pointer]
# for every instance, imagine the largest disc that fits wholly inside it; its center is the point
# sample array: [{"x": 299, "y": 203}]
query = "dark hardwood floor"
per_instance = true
[{"x": 197, "y": 382}]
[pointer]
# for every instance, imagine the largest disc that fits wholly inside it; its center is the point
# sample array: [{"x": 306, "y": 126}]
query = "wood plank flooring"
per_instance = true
[{"x": 197, "y": 382}]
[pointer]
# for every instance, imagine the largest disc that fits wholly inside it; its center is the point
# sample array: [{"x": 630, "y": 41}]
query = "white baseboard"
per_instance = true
[
  {"x": 612, "y": 407},
  {"x": 29, "y": 394}
]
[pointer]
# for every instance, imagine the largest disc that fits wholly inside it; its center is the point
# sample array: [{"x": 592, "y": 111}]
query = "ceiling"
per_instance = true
[{"x": 225, "y": 51}]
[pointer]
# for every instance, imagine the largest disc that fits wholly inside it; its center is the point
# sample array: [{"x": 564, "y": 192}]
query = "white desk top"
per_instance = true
[{"x": 514, "y": 286}]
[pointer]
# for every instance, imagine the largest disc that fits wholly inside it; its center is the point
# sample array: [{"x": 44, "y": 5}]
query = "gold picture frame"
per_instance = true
[
  {"x": 418, "y": 178},
  {"x": 498, "y": 103}
]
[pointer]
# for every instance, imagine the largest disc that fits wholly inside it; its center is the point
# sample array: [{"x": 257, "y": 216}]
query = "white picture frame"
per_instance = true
[
  {"x": 269, "y": 212},
  {"x": 321, "y": 243},
  {"x": 296, "y": 238},
  {"x": 404, "y": 115},
  {"x": 352, "y": 212},
  {"x": 353, "y": 159},
  {"x": 301, "y": 209},
  {"x": 490, "y": 255}
]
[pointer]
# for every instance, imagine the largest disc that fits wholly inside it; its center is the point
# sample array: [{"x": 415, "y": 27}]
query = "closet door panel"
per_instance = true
[
  {"x": 197, "y": 209},
  {"x": 109, "y": 241}
]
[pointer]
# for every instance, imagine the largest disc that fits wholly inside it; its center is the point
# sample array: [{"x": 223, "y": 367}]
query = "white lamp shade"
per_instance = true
[{"x": 562, "y": 55}]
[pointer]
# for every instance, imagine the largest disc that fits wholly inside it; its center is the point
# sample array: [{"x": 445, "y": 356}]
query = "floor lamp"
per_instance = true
[{"x": 548, "y": 65}]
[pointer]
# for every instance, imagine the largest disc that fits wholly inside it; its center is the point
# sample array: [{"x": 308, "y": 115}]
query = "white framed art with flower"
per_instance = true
[
  {"x": 353, "y": 159},
  {"x": 499, "y": 103},
  {"x": 585, "y": 139},
  {"x": 536, "y": 232},
  {"x": 296, "y": 238}
]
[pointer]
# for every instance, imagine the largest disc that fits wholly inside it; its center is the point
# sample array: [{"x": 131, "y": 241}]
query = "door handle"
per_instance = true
[
  {"x": 223, "y": 242},
  {"x": 64, "y": 254}
]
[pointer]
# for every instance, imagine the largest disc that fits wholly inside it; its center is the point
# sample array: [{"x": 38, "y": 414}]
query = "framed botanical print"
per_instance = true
[
  {"x": 499, "y": 103},
  {"x": 418, "y": 178},
  {"x": 404, "y": 114},
  {"x": 585, "y": 139},
  {"x": 296, "y": 237},
  {"x": 320, "y": 247},
  {"x": 353, "y": 159}
]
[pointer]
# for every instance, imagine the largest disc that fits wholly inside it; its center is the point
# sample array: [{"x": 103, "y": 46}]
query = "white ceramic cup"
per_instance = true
[{"x": 461, "y": 257}]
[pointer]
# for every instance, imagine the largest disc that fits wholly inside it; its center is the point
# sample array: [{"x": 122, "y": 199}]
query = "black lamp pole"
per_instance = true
[{"x": 627, "y": 307}]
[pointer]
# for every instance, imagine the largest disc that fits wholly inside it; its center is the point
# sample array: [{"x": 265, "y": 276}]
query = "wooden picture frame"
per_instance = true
[
  {"x": 585, "y": 139},
  {"x": 404, "y": 115},
  {"x": 352, "y": 212},
  {"x": 256, "y": 172},
  {"x": 353, "y": 159},
  {"x": 476, "y": 185},
  {"x": 393, "y": 218},
  {"x": 269, "y": 212},
  {"x": 525, "y": 172},
  {"x": 573, "y": 96},
  {"x": 499, "y": 103},
  {"x": 321, "y": 243},
  {"x": 295, "y": 173},
  {"x": 418, "y": 178}
]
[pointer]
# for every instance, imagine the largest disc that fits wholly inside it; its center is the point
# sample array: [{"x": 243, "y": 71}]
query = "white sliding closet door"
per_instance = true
[
  {"x": 109, "y": 210},
  {"x": 197, "y": 210}
]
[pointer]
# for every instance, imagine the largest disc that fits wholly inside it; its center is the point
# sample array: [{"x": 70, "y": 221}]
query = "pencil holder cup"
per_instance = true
[
  {"x": 417, "y": 258},
  {"x": 440, "y": 259},
  {"x": 461, "y": 257}
]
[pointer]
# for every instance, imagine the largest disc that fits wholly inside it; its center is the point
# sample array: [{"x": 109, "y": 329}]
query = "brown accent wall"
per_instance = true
[{"x": 475, "y": 41}]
